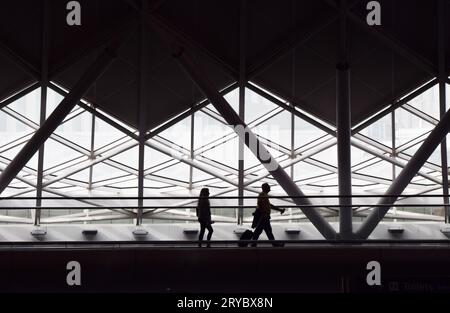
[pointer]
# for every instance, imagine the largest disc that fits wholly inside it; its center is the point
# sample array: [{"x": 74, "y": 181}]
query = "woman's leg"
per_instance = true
[
  {"x": 210, "y": 231},
  {"x": 202, "y": 233}
]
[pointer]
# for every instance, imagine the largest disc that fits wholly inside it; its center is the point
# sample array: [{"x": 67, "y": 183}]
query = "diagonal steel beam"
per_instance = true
[
  {"x": 406, "y": 175},
  {"x": 58, "y": 115},
  {"x": 257, "y": 148}
]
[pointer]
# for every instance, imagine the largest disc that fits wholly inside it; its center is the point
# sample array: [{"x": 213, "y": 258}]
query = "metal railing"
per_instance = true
[
  {"x": 151, "y": 211},
  {"x": 9, "y": 203}
]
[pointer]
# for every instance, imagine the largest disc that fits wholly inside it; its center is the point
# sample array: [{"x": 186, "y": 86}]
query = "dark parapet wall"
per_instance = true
[{"x": 233, "y": 270}]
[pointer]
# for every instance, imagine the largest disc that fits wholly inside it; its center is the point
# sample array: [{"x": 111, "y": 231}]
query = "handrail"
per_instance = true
[
  {"x": 220, "y": 197},
  {"x": 218, "y": 206}
]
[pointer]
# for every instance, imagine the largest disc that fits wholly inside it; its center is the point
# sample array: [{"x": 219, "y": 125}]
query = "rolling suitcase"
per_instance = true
[{"x": 246, "y": 235}]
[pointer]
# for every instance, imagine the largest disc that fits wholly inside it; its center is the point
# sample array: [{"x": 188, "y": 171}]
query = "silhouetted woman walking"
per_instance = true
[{"x": 204, "y": 215}]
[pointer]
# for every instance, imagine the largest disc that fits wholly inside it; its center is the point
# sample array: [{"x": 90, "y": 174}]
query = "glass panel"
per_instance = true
[
  {"x": 428, "y": 102},
  {"x": 29, "y": 105},
  {"x": 380, "y": 131},
  {"x": 409, "y": 126},
  {"x": 105, "y": 134},
  {"x": 77, "y": 130},
  {"x": 256, "y": 106},
  {"x": 305, "y": 132},
  {"x": 179, "y": 134}
]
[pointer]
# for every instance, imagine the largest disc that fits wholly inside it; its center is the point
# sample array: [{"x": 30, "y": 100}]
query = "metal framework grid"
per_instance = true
[{"x": 241, "y": 179}]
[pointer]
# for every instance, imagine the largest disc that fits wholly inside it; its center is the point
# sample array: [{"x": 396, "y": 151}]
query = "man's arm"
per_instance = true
[{"x": 277, "y": 208}]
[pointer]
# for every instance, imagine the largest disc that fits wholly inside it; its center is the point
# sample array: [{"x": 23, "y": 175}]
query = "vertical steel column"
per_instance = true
[
  {"x": 43, "y": 110},
  {"x": 292, "y": 148},
  {"x": 394, "y": 150},
  {"x": 191, "y": 152},
  {"x": 393, "y": 143},
  {"x": 251, "y": 141},
  {"x": 343, "y": 123},
  {"x": 191, "y": 156},
  {"x": 142, "y": 112},
  {"x": 92, "y": 155},
  {"x": 292, "y": 139},
  {"x": 242, "y": 83},
  {"x": 442, "y": 100},
  {"x": 140, "y": 180},
  {"x": 59, "y": 114},
  {"x": 393, "y": 139},
  {"x": 292, "y": 154}
]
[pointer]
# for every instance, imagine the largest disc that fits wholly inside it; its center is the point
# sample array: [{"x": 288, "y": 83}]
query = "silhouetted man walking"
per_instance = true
[{"x": 263, "y": 215}]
